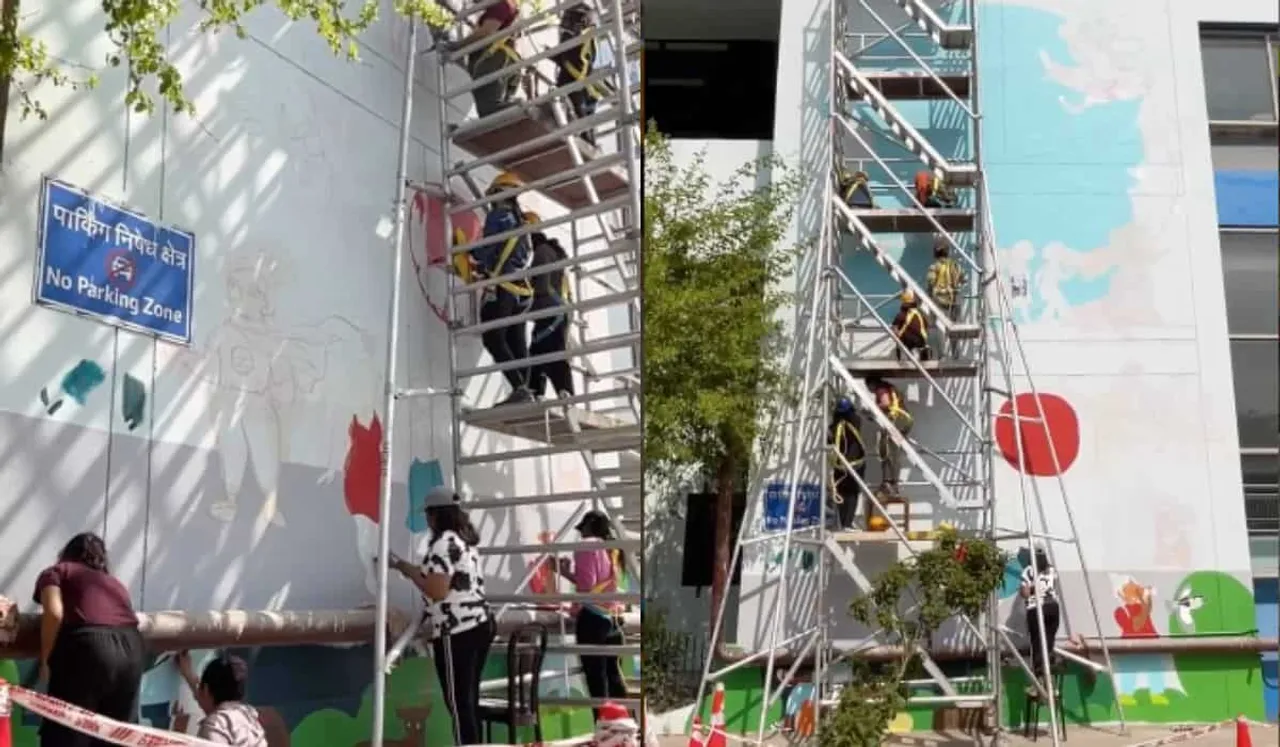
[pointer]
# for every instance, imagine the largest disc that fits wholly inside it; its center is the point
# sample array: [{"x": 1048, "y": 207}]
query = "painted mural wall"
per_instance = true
[
  {"x": 1096, "y": 150},
  {"x": 242, "y": 471}
]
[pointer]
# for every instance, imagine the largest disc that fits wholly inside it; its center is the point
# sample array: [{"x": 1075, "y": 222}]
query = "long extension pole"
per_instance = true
[{"x": 389, "y": 396}]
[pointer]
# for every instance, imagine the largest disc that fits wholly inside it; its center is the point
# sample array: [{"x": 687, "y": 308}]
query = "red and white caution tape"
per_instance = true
[
  {"x": 95, "y": 725},
  {"x": 1186, "y": 734}
]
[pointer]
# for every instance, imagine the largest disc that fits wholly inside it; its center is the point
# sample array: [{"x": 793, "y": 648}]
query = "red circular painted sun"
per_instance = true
[{"x": 1057, "y": 425}]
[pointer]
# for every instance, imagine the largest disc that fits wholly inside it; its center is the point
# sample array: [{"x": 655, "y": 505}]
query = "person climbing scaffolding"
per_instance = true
[
  {"x": 889, "y": 401},
  {"x": 944, "y": 279},
  {"x": 574, "y": 64},
  {"x": 550, "y": 333},
  {"x": 845, "y": 438},
  {"x": 911, "y": 328},
  {"x": 510, "y": 343}
]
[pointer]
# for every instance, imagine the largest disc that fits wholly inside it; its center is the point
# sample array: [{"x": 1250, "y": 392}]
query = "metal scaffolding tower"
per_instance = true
[
  {"x": 538, "y": 140},
  {"x": 849, "y": 339}
]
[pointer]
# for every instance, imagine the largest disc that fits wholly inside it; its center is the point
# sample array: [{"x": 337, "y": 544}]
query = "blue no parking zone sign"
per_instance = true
[{"x": 104, "y": 261}]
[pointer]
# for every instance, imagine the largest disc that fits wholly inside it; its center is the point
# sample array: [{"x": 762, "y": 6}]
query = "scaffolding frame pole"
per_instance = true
[{"x": 389, "y": 394}]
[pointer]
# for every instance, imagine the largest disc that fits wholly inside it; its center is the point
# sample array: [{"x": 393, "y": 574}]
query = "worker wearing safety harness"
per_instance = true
[
  {"x": 911, "y": 328},
  {"x": 889, "y": 401},
  {"x": 854, "y": 191},
  {"x": 491, "y": 58},
  {"x": 510, "y": 298},
  {"x": 845, "y": 438},
  {"x": 574, "y": 64},
  {"x": 944, "y": 279},
  {"x": 598, "y": 570},
  {"x": 932, "y": 192},
  {"x": 550, "y": 333}
]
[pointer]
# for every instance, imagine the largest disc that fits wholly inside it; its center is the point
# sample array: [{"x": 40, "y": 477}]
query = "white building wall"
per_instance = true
[
  {"x": 286, "y": 176},
  {"x": 1127, "y": 324}
]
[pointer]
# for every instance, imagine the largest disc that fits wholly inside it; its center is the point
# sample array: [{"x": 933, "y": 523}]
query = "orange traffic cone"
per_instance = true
[
  {"x": 696, "y": 738},
  {"x": 717, "y": 736},
  {"x": 1242, "y": 733},
  {"x": 6, "y": 731}
]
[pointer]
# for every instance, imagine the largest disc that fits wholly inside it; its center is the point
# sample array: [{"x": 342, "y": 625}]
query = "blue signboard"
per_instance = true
[
  {"x": 777, "y": 496},
  {"x": 103, "y": 261}
]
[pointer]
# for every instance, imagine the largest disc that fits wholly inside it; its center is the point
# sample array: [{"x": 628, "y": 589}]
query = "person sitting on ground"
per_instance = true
[
  {"x": 911, "y": 328},
  {"x": 220, "y": 691},
  {"x": 550, "y": 333},
  {"x": 575, "y": 64},
  {"x": 498, "y": 94}
]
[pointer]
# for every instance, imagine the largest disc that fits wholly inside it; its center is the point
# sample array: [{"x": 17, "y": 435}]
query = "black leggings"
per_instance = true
[
  {"x": 602, "y": 673},
  {"x": 99, "y": 669},
  {"x": 507, "y": 343},
  {"x": 1051, "y": 615},
  {"x": 847, "y": 489},
  {"x": 460, "y": 659},
  {"x": 550, "y": 335}
]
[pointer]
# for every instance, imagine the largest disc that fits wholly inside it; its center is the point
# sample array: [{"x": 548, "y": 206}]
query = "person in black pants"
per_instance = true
[
  {"x": 598, "y": 571},
  {"x": 507, "y": 299},
  {"x": 91, "y": 652},
  {"x": 845, "y": 438},
  {"x": 462, "y": 625},
  {"x": 575, "y": 64},
  {"x": 1039, "y": 589},
  {"x": 550, "y": 334}
]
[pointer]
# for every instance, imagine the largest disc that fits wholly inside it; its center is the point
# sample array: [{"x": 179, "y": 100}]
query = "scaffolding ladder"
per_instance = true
[
  {"x": 849, "y": 339},
  {"x": 537, "y": 139}
]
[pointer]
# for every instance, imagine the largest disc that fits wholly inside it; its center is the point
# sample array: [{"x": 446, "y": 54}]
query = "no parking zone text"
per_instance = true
[{"x": 101, "y": 260}]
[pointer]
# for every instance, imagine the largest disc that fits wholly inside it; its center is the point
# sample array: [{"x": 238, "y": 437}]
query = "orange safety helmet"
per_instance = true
[{"x": 504, "y": 181}]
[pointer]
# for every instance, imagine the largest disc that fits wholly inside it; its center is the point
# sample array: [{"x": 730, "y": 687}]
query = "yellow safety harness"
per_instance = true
[
  {"x": 841, "y": 429},
  {"x": 612, "y": 610},
  {"x": 854, "y": 183},
  {"x": 585, "y": 54},
  {"x": 945, "y": 280},
  {"x": 913, "y": 315},
  {"x": 519, "y": 287},
  {"x": 896, "y": 410}
]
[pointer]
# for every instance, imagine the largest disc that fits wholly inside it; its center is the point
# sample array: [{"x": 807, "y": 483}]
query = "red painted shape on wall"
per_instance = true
[
  {"x": 1057, "y": 424},
  {"x": 428, "y": 244},
  {"x": 363, "y": 469}
]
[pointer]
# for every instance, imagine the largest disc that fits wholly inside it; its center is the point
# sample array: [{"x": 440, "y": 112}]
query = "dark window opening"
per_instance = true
[
  {"x": 700, "y": 538},
  {"x": 711, "y": 90}
]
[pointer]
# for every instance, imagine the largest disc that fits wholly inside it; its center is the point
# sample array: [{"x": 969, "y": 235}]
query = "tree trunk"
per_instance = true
[{"x": 725, "y": 482}]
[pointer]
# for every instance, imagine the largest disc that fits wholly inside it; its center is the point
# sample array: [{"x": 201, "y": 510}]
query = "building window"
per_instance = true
[{"x": 1240, "y": 82}]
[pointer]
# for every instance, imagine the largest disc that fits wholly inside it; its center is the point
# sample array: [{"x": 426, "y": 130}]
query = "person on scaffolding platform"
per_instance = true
[
  {"x": 598, "y": 571},
  {"x": 91, "y": 652},
  {"x": 854, "y": 190},
  {"x": 889, "y": 400},
  {"x": 932, "y": 192},
  {"x": 550, "y": 333},
  {"x": 845, "y": 438},
  {"x": 451, "y": 581},
  {"x": 500, "y": 55},
  {"x": 575, "y": 64},
  {"x": 911, "y": 328},
  {"x": 507, "y": 299},
  {"x": 944, "y": 279}
]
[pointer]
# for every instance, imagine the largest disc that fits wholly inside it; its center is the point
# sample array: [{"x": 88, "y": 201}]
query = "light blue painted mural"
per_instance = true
[{"x": 1059, "y": 166}]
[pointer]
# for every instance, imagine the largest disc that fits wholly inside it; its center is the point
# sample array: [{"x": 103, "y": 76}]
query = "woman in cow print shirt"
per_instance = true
[{"x": 461, "y": 623}]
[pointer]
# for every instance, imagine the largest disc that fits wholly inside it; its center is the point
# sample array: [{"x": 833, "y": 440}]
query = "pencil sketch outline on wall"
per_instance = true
[{"x": 261, "y": 375}]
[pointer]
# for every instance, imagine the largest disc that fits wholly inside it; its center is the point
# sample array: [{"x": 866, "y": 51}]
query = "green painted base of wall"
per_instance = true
[{"x": 1205, "y": 688}]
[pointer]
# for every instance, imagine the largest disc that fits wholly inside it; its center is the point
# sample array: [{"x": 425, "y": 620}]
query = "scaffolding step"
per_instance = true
[
  {"x": 915, "y": 220},
  {"x": 551, "y": 156},
  {"x": 912, "y": 85},
  {"x": 948, "y": 36},
  {"x": 537, "y": 421},
  {"x": 976, "y": 700},
  {"x": 915, "y": 540},
  {"x": 889, "y": 368}
]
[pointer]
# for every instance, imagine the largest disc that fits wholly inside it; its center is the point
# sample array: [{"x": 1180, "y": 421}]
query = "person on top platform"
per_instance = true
[
  {"x": 598, "y": 570},
  {"x": 575, "y": 64},
  {"x": 932, "y": 192},
  {"x": 889, "y": 401},
  {"x": 491, "y": 58},
  {"x": 854, "y": 189},
  {"x": 945, "y": 279},
  {"x": 845, "y": 437},
  {"x": 911, "y": 328},
  {"x": 509, "y": 298},
  {"x": 551, "y": 333}
]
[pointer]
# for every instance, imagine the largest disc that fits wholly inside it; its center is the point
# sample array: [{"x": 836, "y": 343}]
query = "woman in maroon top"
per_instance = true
[
  {"x": 91, "y": 652},
  {"x": 495, "y": 95}
]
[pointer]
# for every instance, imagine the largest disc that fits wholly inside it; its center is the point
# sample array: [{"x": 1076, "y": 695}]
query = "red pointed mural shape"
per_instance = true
[{"x": 1057, "y": 425}]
